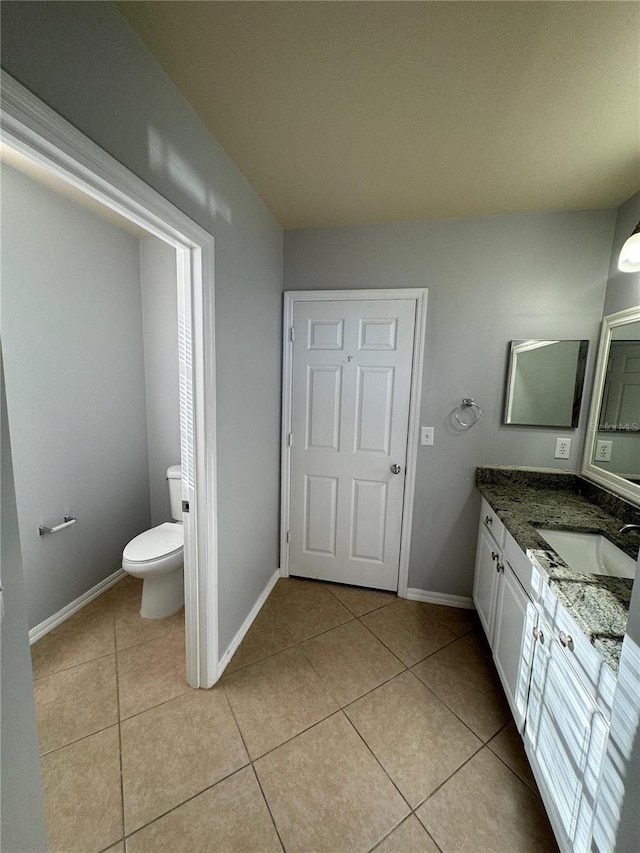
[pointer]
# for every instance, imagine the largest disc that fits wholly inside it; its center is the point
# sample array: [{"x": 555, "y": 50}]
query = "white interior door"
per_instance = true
[{"x": 350, "y": 395}]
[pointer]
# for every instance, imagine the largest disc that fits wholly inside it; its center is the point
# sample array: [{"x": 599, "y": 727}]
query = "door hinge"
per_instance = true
[
  {"x": 290, "y": 439},
  {"x": 292, "y": 334},
  {"x": 288, "y": 537},
  {"x": 185, "y": 506}
]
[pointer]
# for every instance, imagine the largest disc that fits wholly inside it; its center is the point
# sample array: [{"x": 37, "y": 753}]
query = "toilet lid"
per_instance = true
[{"x": 158, "y": 542}]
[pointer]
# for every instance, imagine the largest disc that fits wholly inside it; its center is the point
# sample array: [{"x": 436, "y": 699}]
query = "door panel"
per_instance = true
[
  {"x": 375, "y": 409},
  {"x": 368, "y": 520},
  {"x": 320, "y": 515},
  {"x": 324, "y": 385},
  {"x": 351, "y": 382}
]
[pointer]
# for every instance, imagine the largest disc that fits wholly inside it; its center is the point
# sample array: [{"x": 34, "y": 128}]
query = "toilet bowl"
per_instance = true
[{"x": 157, "y": 556}]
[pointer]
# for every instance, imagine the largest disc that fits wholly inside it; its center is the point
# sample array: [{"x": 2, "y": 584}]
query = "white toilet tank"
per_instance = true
[{"x": 174, "y": 477}]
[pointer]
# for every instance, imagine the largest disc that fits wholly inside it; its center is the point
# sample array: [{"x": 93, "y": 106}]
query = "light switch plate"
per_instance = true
[{"x": 427, "y": 435}]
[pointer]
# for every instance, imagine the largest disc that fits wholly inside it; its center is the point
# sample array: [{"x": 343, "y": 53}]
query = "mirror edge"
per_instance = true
[{"x": 611, "y": 481}]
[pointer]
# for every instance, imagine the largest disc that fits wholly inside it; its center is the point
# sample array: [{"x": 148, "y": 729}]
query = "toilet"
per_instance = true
[{"x": 157, "y": 556}]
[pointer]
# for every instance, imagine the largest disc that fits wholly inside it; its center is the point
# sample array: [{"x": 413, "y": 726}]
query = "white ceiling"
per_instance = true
[{"x": 354, "y": 112}]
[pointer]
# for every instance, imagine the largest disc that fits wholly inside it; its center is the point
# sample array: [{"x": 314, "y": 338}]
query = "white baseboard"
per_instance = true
[
  {"x": 68, "y": 610},
  {"x": 248, "y": 622},
  {"x": 462, "y": 601}
]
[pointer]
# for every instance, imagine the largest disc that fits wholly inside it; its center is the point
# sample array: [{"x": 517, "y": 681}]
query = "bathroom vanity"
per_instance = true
[{"x": 556, "y": 633}]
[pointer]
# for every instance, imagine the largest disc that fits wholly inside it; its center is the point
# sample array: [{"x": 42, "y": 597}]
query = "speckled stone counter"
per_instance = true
[{"x": 526, "y": 499}]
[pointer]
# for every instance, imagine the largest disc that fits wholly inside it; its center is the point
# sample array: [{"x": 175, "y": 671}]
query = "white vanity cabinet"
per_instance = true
[
  {"x": 558, "y": 687},
  {"x": 501, "y": 595}
]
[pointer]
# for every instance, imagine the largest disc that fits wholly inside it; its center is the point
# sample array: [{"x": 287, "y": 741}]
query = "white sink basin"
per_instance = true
[{"x": 590, "y": 553}]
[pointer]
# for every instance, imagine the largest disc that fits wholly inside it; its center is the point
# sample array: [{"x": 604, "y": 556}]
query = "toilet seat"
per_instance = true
[
  {"x": 155, "y": 552},
  {"x": 161, "y": 541}
]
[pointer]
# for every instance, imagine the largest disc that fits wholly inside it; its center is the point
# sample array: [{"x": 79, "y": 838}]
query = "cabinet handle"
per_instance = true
[
  {"x": 488, "y": 520},
  {"x": 499, "y": 567},
  {"x": 566, "y": 640},
  {"x": 538, "y": 634},
  {"x": 494, "y": 556}
]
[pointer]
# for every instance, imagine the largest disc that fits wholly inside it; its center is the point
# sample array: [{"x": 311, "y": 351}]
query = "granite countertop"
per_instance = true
[{"x": 525, "y": 499}]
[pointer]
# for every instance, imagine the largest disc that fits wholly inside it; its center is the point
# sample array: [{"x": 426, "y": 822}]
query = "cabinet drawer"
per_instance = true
[
  {"x": 598, "y": 680},
  {"x": 492, "y": 523}
]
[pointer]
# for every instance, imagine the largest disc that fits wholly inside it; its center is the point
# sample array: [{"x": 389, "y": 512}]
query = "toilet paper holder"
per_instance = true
[{"x": 68, "y": 521}]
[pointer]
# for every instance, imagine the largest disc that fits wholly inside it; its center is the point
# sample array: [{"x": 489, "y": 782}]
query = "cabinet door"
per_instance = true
[
  {"x": 514, "y": 642},
  {"x": 485, "y": 584},
  {"x": 564, "y": 732}
]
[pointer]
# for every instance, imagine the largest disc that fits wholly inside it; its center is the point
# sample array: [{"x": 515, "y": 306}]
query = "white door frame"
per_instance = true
[
  {"x": 35, "y": 130},
  {"x": 419, "y": 296}
]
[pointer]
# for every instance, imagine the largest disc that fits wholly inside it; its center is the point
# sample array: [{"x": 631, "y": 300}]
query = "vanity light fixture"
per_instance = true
[{"x": 630, "y": 253}]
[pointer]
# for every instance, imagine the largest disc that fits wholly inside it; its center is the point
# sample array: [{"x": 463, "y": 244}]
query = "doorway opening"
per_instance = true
[{"x": 36, "y": 132}]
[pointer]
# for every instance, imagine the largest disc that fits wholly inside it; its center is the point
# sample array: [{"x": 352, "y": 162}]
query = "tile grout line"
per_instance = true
[
  {"x": 157, "y": 705},
  {"x": 71, "y": 666},
  {"x": 183, "y": 803},
  {"x": 251, "y": 764},
  {"x": 119, "y": 727},
  {"x": 266, "y": 802},
  {"x": 455, "y": 714},
  {"x": 376, "y": 846},
  {"x": 384, "y": 770},
  {"x": 430, "y": 654},
  {"x": 515, "y": 772},
  {"x": 450, "y": 776}
]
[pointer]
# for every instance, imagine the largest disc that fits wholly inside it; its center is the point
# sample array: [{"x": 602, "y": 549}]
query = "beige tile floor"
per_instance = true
[{"x": 348, "y": 720}]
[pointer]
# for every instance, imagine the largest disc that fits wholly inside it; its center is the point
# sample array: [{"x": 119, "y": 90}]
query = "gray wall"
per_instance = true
[
  {"x": 160, "y": 324},
  {"x": 623, "y": 288},
  {"x": 72, "y": 337},
  {"x": 490, "y": 280},
  {"x": 84, "y": 61},
  {"x": 22, "y": 823}
]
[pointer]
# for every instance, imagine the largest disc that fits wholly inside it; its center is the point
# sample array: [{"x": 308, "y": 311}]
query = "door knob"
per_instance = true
[{"x": 395, "y": 469}]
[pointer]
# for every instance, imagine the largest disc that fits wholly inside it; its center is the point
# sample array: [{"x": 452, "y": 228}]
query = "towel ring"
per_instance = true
[{"x": 476, "y": 412}]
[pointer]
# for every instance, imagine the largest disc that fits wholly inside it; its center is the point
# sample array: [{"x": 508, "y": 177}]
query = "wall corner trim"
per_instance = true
[
  {"x": 248, "y": 622},
  {"x": 463, "y": 601},
  {"x": 69, "y": 609}
]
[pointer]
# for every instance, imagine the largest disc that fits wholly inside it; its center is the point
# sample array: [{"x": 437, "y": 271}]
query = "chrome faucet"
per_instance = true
[{"x": 627, "y": 527}]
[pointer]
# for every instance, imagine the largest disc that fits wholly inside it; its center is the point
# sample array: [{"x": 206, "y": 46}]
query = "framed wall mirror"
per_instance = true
[
  {"x": 612, "y": 448},
  {"x": 544, "y": 385}
]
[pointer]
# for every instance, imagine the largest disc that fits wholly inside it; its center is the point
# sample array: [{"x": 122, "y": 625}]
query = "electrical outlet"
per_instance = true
[
  {"x": 427, "y": 435},
  {"x": 563, "y": 448},
  {"x": 603, "y": 451}
]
